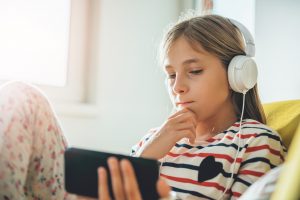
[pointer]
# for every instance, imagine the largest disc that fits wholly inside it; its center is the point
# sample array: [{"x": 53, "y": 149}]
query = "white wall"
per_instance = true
[
  {"x": 277, "y": 43},
  {"x": 130, "y": 87}
]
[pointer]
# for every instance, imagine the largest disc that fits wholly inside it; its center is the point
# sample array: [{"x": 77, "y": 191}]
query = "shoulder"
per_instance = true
[
  {"x": 261, "y": 133},
  {"x": 256, "y": 132},
  {"x": 258, "y": 128},
  {"x": 145, "y": 138}
]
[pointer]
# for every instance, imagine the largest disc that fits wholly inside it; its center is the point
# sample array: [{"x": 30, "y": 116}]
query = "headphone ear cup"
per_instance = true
[{"x": 242, "y": 73}]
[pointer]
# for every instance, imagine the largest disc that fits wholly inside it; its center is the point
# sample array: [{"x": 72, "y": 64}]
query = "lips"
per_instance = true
[{"x": 183, "y": 103}]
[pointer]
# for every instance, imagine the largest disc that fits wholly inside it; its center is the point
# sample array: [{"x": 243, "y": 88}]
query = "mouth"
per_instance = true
[{"x": 183, "y": 104}]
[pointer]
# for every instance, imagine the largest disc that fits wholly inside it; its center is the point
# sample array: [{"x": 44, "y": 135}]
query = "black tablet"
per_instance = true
[{"x": 81, "y": 175}]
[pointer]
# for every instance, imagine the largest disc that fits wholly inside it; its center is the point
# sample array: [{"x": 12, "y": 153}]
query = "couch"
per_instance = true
[{"x": 284, "y": 117}]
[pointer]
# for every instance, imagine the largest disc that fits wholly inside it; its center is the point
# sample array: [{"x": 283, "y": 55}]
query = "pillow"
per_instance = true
[
  {"x": 289, "y": 180},
  {"x": 284, "y": 117}
]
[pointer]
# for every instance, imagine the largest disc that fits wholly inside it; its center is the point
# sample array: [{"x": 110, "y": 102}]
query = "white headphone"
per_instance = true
[
  {"x": 242, "y": 70},
  {"x": 242, "y": 76}
]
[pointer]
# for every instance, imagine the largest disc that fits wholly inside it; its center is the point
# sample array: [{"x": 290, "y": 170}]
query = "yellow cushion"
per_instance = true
[
  {"x": 283, "y": 117},
  {"x": 288, "y": 184}
]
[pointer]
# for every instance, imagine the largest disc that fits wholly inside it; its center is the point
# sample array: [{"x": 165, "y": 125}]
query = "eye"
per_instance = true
[
  {"x": 171, "y": 76},
  {"x": 196, "y": 71}
]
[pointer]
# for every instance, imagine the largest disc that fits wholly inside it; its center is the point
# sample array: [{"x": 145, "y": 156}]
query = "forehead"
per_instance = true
[
  {"x": 181, "y": 52},
  {"x": 187, "y": 61}
]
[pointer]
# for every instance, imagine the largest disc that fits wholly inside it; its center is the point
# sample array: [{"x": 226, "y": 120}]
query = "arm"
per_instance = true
[{"x": 159, "y": 142}]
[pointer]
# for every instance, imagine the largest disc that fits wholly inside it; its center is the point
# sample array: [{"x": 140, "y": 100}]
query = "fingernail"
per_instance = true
[
  {"x": 101, "y": 170},
  {"x": 124, "y": 162},
  {"x": 112, "y": 160}
]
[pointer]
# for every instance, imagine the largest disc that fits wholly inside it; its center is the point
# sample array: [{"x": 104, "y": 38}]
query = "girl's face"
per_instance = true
[{"x": 197, "y": 80}]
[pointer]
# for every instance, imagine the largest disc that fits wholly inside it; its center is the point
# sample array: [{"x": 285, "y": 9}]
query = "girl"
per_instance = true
[{"x": 205, "y": 150}]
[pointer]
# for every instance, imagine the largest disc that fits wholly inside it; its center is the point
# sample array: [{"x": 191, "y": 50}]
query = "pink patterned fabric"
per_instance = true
[{"x": 31, "y": 145}]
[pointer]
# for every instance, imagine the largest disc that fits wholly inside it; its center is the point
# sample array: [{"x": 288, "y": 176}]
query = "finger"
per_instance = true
[
  {"x": 186, "y": 117},
  {"x": 116, "y": 178},
  {"x": 185, "y": 126},
  {"x": 190, "y": 135},
  {"x": 189, "y": 116},
  {"x": 187, "y": 134},
  {"x": 178, "y": 113},
  {"x": 163, "y": 188},
  {"x": 103, "y": 193},
  {"x": 132, "y": 190}
]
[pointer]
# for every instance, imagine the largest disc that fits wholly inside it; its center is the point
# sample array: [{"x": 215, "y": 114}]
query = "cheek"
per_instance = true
[
  {"x": 211, "y": 96},
  {"x": 219, "y": 93},
  {"x": 212, "y": 89},
  {"x": 219, "y": 83}
]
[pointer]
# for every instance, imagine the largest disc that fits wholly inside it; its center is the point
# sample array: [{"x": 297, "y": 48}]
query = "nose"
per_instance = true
[{"x": 179, "y": 86}]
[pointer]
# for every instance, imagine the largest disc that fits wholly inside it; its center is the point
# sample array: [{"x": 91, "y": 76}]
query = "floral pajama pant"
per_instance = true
[{"x": 31, "y": 145}]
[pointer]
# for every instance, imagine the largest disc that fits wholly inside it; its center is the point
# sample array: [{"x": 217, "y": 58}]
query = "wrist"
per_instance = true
[{"x": 157, "y": 147}]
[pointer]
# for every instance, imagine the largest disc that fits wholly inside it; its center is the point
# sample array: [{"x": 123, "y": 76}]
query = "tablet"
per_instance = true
[{"x": 81, "y": 175}]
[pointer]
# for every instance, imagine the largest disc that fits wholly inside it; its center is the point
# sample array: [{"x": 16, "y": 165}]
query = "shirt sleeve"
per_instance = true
[
  {"x": 263, "y": 153},
  {"x": 137, "y": 148}
]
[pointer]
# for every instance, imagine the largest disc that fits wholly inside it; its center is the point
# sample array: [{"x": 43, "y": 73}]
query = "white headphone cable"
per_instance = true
[
  {"x": 172, "y": 195},
  {"x": 239, "y": 134}
]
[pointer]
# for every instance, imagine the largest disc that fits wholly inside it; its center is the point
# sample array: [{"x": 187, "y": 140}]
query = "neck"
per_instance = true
[{"x": 216, "y": 123}]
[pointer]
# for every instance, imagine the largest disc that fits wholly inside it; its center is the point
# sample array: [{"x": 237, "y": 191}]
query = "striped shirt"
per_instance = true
[{"x": 203, "y": 170}]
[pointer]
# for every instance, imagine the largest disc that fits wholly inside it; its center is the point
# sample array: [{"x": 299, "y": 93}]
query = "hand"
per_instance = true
[
  {"x": 124, "y": 183},
  {"x": 179, "y": 125}
]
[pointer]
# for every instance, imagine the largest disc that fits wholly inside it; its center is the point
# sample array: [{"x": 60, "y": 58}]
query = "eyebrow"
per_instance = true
[{"x": 186, "y": 62}]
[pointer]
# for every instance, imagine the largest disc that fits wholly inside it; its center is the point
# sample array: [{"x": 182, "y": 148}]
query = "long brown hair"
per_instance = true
[{"x": 218, "y": 36}]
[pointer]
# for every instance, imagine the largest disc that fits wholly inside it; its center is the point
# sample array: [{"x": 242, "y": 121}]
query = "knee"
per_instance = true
[{"x": 21, "y": 93}]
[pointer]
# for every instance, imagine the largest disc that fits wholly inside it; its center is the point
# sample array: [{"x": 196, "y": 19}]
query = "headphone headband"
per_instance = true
[
  {"x": 249, "y": 41},
  {"x": 242, "y": 70}
]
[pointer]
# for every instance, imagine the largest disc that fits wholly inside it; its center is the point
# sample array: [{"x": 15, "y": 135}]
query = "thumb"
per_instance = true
[{"x": 163, "y": 188}]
